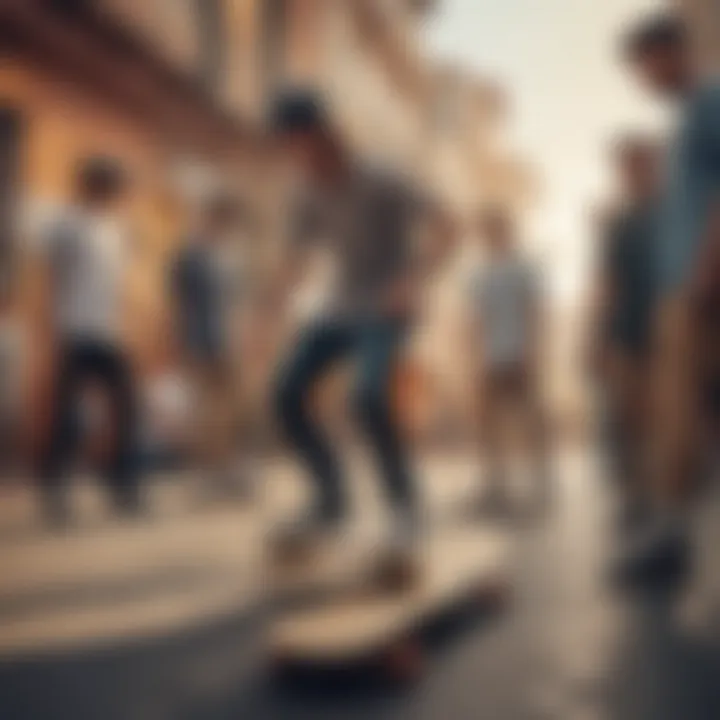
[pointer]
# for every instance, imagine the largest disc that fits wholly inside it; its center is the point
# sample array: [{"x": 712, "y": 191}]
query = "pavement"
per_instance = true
[{"x": 569, "y": 646}]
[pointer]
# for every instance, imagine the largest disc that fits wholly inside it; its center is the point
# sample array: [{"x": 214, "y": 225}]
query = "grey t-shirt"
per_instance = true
[
  {"x": 504, "y": 296},
  {"x": 369, "y": 223}
]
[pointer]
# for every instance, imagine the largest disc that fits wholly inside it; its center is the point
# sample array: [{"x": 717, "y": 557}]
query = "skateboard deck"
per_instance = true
[{"x": 456, "y": 566}]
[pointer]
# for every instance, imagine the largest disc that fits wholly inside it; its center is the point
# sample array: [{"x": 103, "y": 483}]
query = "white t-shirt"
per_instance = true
[
  {"x": 87, "y": 254},
  {"x": 503, "y": 296}
]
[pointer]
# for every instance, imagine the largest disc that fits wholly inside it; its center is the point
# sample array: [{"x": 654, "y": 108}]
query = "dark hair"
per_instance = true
[
  {"x": 224, "y": 209},
  {"x": 660, "y": 31},
  {"x": 101, "y": 178},
  {"x": 634, "y": 145},
  {"x": 297, "y": 111}
]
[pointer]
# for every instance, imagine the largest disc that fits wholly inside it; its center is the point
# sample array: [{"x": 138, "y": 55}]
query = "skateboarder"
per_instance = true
[
  {"x": 505, "y": 302},
  {"x": 369, "y": 218}
]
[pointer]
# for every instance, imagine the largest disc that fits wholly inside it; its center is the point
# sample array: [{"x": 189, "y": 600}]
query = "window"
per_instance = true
[
  {"x": 212, "y": 41},
  {"x": 10, "y": 132}
]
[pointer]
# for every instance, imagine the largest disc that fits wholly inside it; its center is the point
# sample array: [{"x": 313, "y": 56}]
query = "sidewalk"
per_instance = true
[{"x": 107, "y": 581}]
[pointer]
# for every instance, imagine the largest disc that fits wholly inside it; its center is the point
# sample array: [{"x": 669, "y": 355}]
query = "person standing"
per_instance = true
[
  {"x": 87, "y": 253},
  {"x": 205, "y": 284},
  {"x": 626, "y": 314},
  {"x": 368, "y": 218},
  {"x": 659, "y": 51},
  {"x": 506, "y": 310}
]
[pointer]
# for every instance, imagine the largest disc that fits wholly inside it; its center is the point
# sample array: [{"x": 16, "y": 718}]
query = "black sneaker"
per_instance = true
[{"x": 661, "y": 554}]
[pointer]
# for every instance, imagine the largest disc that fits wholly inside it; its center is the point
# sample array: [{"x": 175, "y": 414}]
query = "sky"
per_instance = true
[{"x": 557, "y": 60}]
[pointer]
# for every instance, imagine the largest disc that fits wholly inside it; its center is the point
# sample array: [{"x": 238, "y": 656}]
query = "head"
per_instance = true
[
  {"x": 637, "y": 162},
  {"x": 221, "y": 214},
  {"x": 301, "y": 128},
  {"x": 101, "y": 183},
  {"x": 658, "y": 50},
  {"x": 497, "y": 230}
]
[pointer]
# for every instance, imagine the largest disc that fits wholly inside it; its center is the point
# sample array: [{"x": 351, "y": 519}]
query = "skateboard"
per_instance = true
[{"x": 456, "y": 567}]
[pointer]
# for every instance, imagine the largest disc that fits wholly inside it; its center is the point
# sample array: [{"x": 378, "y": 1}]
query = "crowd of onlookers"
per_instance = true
[{"x": 655, "y": 329}]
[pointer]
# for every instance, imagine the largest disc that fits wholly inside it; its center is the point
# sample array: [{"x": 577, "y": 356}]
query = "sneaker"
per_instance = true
[
  {"x": 660, "y": 553},
  {"x": 399, "y": 561},
  {"x": 299, "y": 538}
]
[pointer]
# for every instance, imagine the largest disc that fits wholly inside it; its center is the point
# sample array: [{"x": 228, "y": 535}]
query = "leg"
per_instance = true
[
  {"x": 115, "y": 371},
  {"x": 319, "y": 347},
  {"x": 676, "y": 413},
  {"x": 63, "y": 434},
  {"x": 378, "y": 353},
  {"x": 624, "y": 399},
  {"x": 535, "y": 426},
  {"x": 490, "y": 416},
  {"x": 664, "y": 547}
]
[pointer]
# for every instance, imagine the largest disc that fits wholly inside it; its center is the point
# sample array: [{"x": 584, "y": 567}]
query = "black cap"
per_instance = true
[
  {"x": 101, "y": 176},
  {"x": 297, "y": 110},
  {"x": 661, "y": 30}
]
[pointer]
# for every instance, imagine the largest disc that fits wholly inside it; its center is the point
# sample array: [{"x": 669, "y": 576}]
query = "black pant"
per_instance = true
[
  {"x": 374, "y": 345},
  {"x": 94, "y": 361}
]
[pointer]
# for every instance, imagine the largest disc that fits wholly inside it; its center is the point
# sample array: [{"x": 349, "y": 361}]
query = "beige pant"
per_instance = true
[{"x": 511, "y": 395}]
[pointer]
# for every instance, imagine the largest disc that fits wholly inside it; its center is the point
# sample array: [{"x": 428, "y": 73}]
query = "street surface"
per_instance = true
[{"x": 163, "y": 620}]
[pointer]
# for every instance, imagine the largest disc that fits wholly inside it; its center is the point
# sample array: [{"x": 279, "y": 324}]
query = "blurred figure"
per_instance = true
[
  {"x": 369, "y": 218},
  {"x": 205, "y": 284},
  {"x": 87, "y": 252},
  {"x": 11, "y": 384},
  {"x": 626, "y": 313},
  {"x": 506, "y": 306},
  {"x": 659, "y": 50}
]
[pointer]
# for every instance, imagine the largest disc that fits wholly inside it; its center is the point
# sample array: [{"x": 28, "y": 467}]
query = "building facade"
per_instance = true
[
  {"x": 153, "y": 83},
  {"x": 178, "y": 90}
]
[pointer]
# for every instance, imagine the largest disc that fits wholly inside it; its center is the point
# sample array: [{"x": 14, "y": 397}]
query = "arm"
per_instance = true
[
  {"x": 538, "y": 324},
  {"x": 600, "y": 305},
  {"x": 295, "y": 257},
  {"x": 471, "y": 345},
  {"x": 694, "y": 184},
  {"x": 442, "y": 233},
  {"x": 438, "y": 239}
]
